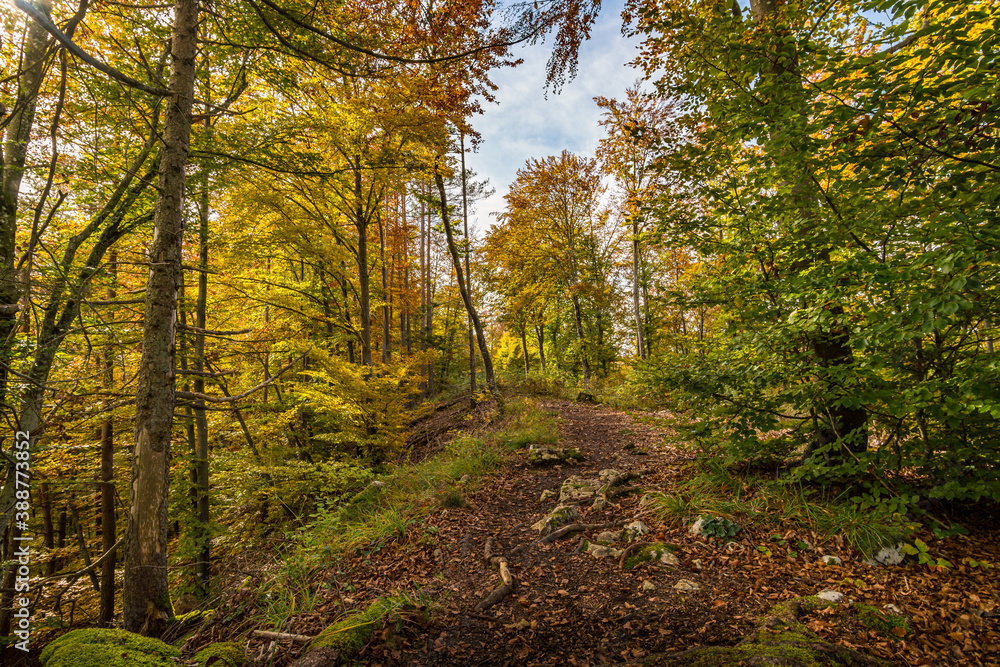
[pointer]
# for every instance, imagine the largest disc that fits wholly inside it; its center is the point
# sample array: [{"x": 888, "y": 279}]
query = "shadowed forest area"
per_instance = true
[{"x": 723, "y": 392}]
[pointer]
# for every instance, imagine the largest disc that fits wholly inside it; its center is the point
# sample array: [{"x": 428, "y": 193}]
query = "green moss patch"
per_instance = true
[
  {"x": 649, "y": 554},
  {"x": 348, "y": 635},
  {"x": 99, "y": 647},
  {"x": 225, "y": 654},
  {"x": 891, "y": 625}
]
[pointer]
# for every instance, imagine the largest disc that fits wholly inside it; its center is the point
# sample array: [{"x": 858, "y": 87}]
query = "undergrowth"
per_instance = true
[
  {"x": 392, "y": 507},
  {"x": 748, "y": 497}
]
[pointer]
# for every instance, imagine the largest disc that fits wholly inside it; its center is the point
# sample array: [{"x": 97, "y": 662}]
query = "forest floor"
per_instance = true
[{"x": 569, "y": 607}]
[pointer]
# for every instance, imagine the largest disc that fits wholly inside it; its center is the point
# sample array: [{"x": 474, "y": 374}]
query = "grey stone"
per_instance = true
[
  {"x": 560, "y": 516},
  {"x": 830, "y": 595},
  {"x": 695, "y": 528},
  {"x": 831, "y": 560},
  {"x": 647, "y": 585},
  {"x": 609, "y": 536},
  {"x": 548, "y": 494},
  {"x": 686, "y": 585},
  {"x": 635, "y": 530},
  {"x": 601, "y": 551},
  {"x": 893, "y": 609},
  {"x": 887, "y": 556},
  {"x": 542, "y": 455},
  {"x": 575, "y": 489},
  {"x": 600, "y": 504}
]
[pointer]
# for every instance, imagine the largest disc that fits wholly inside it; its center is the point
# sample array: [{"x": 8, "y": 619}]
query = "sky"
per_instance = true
[{"x": 527, "y": 125}]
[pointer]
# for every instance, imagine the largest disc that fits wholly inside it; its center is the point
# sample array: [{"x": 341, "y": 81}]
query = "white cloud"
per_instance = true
[{"x": 527, "y": 125}]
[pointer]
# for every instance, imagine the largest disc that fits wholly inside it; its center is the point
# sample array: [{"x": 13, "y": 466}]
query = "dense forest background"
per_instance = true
[{"x": 237, "y": 263}]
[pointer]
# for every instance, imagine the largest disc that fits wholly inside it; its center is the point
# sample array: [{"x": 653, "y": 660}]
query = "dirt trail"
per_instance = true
[
  {"x": 567, "y": 608},
  {"x": 570, "y": 608}
]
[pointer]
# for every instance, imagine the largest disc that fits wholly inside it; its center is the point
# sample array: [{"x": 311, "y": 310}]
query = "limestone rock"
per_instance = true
[
  {"x": 648, "y": 586},
  {"x": 646, "y": 500},
  {"x": 830, "y": 595},
  {"x": 887, "y": 556},
  {"x": 831, "y": 560},
  {"x": 548, "y": 494},
  {"x": 601, "y": 551},
  {"x": 686, "y": 585},
  {"x": 635, "y": 530},
  {"x": 600, "y": 504},
  {"x": 695, "y": 528},
  {"x": 609, "y": 536},
  {"x": 609, "y": 476},
  {"x": 560, "y": 516},
  {"x": 893, "y": 609},
  {"x": 575, "y": 490},
  {"x": 541, "y": 455}
]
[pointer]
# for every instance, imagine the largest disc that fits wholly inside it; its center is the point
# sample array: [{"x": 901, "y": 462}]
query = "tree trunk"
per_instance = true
[
  {"x": 15, "y": 149},
  {"x": 524, "y": 348},
  {"x": 364, "y": 299},
  {"x": 109, "y": 530},
  {"x": 831, "y": 347},
  {"x": 386, "y": 321},
  {"x": 201, "y": 469},
  {"x": 468, "y": 273},
  {"x": 145, "y": 596},
  {"x": 540, "y": 333},
  {"x": 640, "y": 342},
  {"x": 484, "y": 350}
]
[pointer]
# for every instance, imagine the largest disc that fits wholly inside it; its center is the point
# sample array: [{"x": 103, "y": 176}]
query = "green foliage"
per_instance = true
[
  {"x": 98, "y": 647},
  {"x": 352, "y": 632},
  {"x": 355, "y": 410},
  {"x": 719, "y": 527},
  {"x": 842, "y": 236},
  {"x": 921, "y": 551},
  {"x": 226, "y": 654}
]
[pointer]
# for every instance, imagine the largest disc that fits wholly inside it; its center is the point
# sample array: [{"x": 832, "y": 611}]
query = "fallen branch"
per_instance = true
[{"x": 279, "y": 636}]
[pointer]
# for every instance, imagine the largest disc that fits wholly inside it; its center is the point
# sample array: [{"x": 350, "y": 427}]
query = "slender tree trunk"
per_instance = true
[
  {"x": 484, "y": 350},
  {"x": 640, "y": 342},
  {"x": 386, "y": 321},
  {"x": 468, "y": 273},
  {"x": 146, "y": 598},
  {"x": 578, "y": 321},
  {"x": 202, "y": 537},
  {"x": 540, "y": 333},
  {"x": 364, "y": 280},
  {"x": 13, "y": 156},
  {"x": 524, "y": 347},
  {"x": 423, "y": 295},
  {"x": 109, "y": 531}
]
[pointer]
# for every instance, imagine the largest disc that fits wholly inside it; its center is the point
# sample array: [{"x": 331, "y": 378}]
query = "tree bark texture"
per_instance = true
[{"x": 145, "y": 598}]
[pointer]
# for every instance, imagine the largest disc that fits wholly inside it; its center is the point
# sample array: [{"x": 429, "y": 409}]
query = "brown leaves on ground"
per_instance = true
[{"x": 570, "y": 608}]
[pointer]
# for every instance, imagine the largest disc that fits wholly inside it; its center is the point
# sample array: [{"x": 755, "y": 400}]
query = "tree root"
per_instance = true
[
  {"x": 573, "y": 528},
  {"x": 632, "y": 548},
  {"x": 509, "y": 582}
]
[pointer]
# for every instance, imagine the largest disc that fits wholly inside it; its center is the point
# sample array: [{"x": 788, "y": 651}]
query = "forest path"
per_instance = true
[
  {"x": 567, "y": 607},
  {"x": 572, "y": 608}
]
